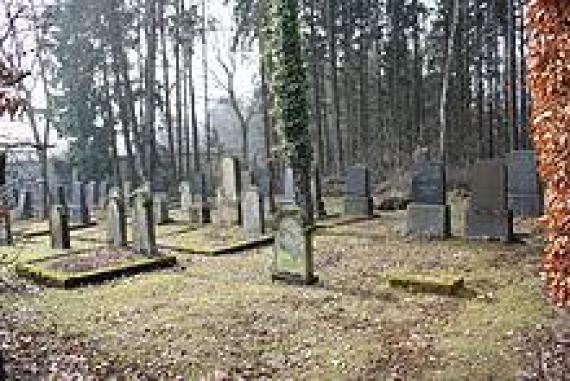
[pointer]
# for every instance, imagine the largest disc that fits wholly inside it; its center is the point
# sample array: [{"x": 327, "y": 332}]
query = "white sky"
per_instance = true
[{"x": 218, "y": 41}]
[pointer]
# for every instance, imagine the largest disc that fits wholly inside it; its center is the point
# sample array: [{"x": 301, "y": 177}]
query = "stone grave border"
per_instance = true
[
  {"x": 239, "y": 246},
  {"x": 67, "y": 280},
  {"x": 441, "y": 284}
]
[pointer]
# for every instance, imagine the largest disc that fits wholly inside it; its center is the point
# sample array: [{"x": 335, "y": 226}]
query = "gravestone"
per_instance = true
[
  {"x": 116, "y": 219},
  {"x": 24, "y": 210},
  {"x": 104, "y": 189},
  {"x": 40, "y": 204},
  {"x": 92, "y": 194},
  {"x": 79, "y": 209},
  {"x": 59, "y": 195},
  {"x": 59, "y": 227},
  {"x": 144, "y": 234},
  {"x": 525, "y": 196},
  {"x": 229, "y": 211},
  {"x": 127, "y": 194},
  {"x": 288, "y": 186},
  {"x": 263, "y": 182},
  {"x": 253, "y": 213},
  {"x": 293, "y": 247},
  {"x": 428, "y": 215},
  {"x": 488, "y": 215},
  {"x": 247, "y": 179},
  {"x": 200, "y": 212},
  {"x": 161, "y": 215},
  {"x": 6, "y": 238},
  {"x": 185, "y": 190},
  {"x": 317, "y": 195},
  {"x": 358, "y": 200}
]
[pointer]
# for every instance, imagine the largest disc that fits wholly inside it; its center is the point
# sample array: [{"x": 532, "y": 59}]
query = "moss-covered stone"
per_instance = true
[
  {"x": 431, "y": 283},
  {"x": 53, "y": 278}
]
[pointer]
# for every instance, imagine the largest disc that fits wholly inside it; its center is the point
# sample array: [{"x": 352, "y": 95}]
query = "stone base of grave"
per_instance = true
[
  {"x": 294, "y": 279},
  {"x": 485, "y": 224},
  {"x": 432, "y": 221},
  {"x": 443, "y": 285},
  {"x": 359, "y": 206},
  {"x": 229, "y": 213},
  {"x": 526, "y": 205}
]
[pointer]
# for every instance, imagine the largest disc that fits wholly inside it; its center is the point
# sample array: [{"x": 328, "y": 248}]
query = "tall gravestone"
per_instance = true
[
  {"x": 60, "y": 237},
  {"x": 144, "y": 234},
  {"x": 116, "y": 219},
  {"x": 104, "y": 189},
  {"x": 92, "y": 194},
  {"x": 358, "y": 200},
  {"x": 161, "y": 214},
  {"x": 288, "y": 186},
  {"x": 40, "y": 204},
  {"x": 525, "y": 196},
  {"x": 293, "y": 247},
  {"x": 253, "y": 213},
  {"x": 229, "y": 205},
  {"x": 79, "y": 208},
  {"x": 263, "y": 182},
  {"x": 127, "y": 194},
  {"x": 488, "y": 215},
  {"x": 24, "y": 209},
  {"x": 429, "y": 214},
  {"x": 200, "y": 210},
  {"x": 185, "y": 190}
]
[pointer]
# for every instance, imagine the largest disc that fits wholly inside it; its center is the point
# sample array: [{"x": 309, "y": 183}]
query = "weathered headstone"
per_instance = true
[
  {"x": 79, "y": 209},
  {"x": 293, "y": 247},
  {"x": 263, "y": 182},
  {"x": 116, "y": 219},
  {"x": 288, "y": 186},
  {"x": 104, "y": 189},
  {"x": 200, "y": 211},
  {"x": 60, "y": 197},
  {"x": 40, "y": 204},
  {"x": 24, "y": 209},
  {"x": 127, "y": 194},
  {"x": 92, "y": 196},
  {"x": 185, "y": 190},
  {"x": 358, "y": 200},
  {"x": 428, "y": 215},
  {"x": 229, "y": 208},
  {"x": 525, "y": 196},
  {"x": 161, "y": 215},
  {"x": 317, "y": 194},
  {"x": 144, "y": 234},
  {"x": 5, "y": 230},
  {"x": 253, "y": 213},
  {"x": 487, "y": 215},
  {"x": 60, "y": 237}
]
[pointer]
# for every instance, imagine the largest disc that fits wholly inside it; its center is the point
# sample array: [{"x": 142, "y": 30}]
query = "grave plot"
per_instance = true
[
  {"x": 212, "y": 240},
  {"x": 99, "y": 254}
]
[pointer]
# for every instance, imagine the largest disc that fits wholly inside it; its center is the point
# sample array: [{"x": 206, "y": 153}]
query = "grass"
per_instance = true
[{"x": 223, "y": 313}]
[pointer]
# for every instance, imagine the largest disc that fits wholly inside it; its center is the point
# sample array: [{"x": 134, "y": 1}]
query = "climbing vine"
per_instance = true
[{"x": 550, "y": 80}]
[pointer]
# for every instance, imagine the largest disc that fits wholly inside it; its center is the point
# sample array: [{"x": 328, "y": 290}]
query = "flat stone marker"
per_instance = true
[
  {"x": 253, "y": 213},
  {"x": 487, "y": 215},
  {"x": 525, "y": 196},
  {"x": 116, "y": 219},
  {"x": 428, "y": 215},
  {"x": 60, "y": 237},
  {"x": 357, "y": 200},
  {"x": 144, "y": 234},
  {"x": 229, "y": 211},
  {"x": 79, "y": 209},
  {"x": 293, "y": 248}
]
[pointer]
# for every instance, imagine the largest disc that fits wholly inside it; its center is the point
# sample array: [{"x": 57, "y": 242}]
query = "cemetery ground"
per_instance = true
[{"x": 223, "y": 314}]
